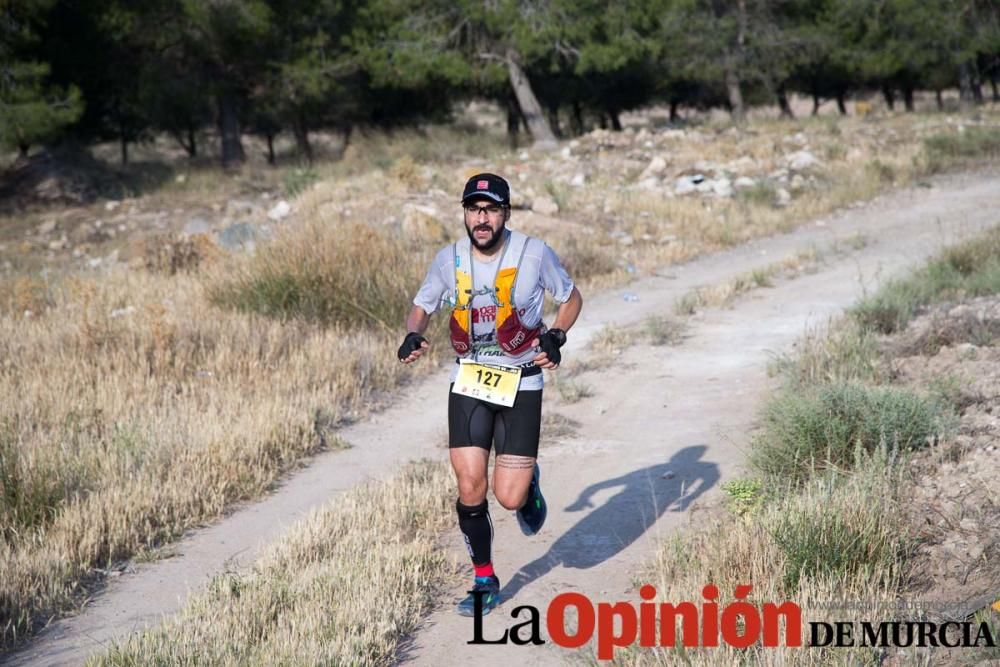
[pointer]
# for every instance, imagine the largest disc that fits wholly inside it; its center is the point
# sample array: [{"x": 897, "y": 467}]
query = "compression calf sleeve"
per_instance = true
[{"x": 477, "y": 528}]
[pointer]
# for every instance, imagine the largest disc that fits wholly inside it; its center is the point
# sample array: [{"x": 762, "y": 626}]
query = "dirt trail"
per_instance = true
[{"x": 684, "y": 410}]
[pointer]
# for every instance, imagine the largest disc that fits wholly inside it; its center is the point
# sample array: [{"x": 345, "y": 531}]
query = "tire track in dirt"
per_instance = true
[{"x": 685, "y": 409}]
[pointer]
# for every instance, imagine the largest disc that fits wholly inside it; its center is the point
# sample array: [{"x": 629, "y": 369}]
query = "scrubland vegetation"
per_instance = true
[
  {"x": 824, "y": 512},
  {"x": 140, "y": 400}
]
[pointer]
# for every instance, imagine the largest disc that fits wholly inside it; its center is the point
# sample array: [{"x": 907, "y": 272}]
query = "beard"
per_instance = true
[{"x": 489, "y": 243}]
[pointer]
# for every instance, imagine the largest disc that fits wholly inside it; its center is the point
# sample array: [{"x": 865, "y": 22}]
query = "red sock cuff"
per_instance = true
[{"x": 483, "y": 570}]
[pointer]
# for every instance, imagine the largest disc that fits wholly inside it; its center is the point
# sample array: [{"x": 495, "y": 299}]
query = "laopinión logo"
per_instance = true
[{"x": 739, "y": 624}]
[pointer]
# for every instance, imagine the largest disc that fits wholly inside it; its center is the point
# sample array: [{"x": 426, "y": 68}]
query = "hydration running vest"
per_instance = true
[{"x": 513, "y": 336}]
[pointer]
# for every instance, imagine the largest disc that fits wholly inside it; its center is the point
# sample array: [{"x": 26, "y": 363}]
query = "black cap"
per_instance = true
[{"x": 490, "y": 186}]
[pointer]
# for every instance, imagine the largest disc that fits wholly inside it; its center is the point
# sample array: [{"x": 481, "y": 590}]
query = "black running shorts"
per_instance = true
[{"x": 513, "y": 430}]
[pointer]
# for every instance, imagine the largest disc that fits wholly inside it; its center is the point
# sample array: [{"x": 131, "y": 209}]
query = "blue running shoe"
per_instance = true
[
  {"x": 532, "y": 514},
  {"x": 490, "y": 587}
]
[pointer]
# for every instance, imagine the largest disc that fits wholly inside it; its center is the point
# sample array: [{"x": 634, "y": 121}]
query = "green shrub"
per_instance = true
[
  {"x": 842, "y": 529},
  {"x": 761, "y": 193},
  {"x": 964, "y": 270},
  {"x": 805, "y": 431},
  {"x": 298, "y": 180},
  {"x": 845, "y": 352},
  {"x": 942, "y": 151}
]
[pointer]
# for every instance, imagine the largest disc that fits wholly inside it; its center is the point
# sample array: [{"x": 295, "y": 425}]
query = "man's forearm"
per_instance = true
[
  {"x": 417, "y": 320},
  {"x": 569, "y": 311}
]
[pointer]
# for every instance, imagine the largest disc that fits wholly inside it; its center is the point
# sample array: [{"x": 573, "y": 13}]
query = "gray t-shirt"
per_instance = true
[{"x": 438, "y": 290}]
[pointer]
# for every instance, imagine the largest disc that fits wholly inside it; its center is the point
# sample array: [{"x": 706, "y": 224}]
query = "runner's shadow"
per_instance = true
[{"x": 601, "y": 534}]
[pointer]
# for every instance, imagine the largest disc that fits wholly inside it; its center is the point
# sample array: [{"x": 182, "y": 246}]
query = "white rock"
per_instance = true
[
  {"x": 111, "y": 205},
  {"x": 523, "y": 156},
  {"x": 196, "y": 226},
  {"x": 800, "y": 160},
  {"x": 744, "y": 182},
  {"x": 784, "y": 197},
  {"x": 705, "y": 186},
  {"x": 280, "y": 211},
  {"x": 566, "y": 152},
  {"x": 545, "y": 205},
  {"x": 579, "y": 180},
  {"x": 684, "y": 186},
  {"x": 654, "y": 168},
  {"x": 47, "y": 227},
  {"x": 651, "y": 183},
  {"x": 722, "y": 187},
  {"x": 797, "y": 182},
  {"x": 122, "y": 312},
  {"x": 181, "y": 178}
]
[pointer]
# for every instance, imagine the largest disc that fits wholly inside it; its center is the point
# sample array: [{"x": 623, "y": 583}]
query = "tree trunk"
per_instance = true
[
  {"x": 674, "y": 103},
  {"x": 22, "y": 151},
  {"x": 733, "y": 91},
  {"x": 734, "y": 94},
  {"x": 939, "y": 100},
  {"x": 270, "y": 149},
  {"x": 889, "y": 95},
  {"x": 965, "y": 94},
  {"x": 123, "y": 144},
  {"x": 977, "y": 87},
  {"x": 192, "y": 142},
  {"x": 908, "y": 96},
  {"x": 513, "y": 121},
  {"x": 993, "y": 84},
  {"x": 346, "y": 129},
  {"x": 616, "y": 121},
  {"x": 841, "y": 103},
  {"x": 526, "y": 100},
  {"x": 186, "y": 141},
  {"x": 301, "y": 130},
  {"x": 786, "y": 108},
  {"x": 576, "y": 121},
  {"x": 229, "y": 129},
  {"x": 552, "y": 112},
  {"x": 816, "y": 103}
]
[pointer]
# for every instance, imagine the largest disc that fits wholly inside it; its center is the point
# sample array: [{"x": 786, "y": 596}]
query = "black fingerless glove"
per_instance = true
[
  {"x": 411, "y": 344},
  {"x": 550, "y": 342}
]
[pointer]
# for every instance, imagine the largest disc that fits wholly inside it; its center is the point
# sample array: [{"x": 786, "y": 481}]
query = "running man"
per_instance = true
[{"x": 494, "y": 282}]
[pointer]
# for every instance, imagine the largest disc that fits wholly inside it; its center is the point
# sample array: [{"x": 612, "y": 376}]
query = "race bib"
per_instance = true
[{"x": 494, "y": 384}]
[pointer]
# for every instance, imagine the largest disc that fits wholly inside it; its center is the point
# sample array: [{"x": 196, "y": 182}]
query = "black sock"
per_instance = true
[{"x": 476, "y": 526}]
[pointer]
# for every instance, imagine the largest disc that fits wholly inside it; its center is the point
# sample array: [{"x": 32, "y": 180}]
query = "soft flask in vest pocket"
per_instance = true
[{"x": 512, "y": 335}]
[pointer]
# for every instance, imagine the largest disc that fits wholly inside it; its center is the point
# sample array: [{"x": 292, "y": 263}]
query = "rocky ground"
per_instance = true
[
  {"x": 953, "y": 350},
  {"x": 83, "y": 213}
]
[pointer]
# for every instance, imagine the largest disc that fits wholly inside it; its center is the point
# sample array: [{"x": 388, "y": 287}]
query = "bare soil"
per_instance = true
[{"x": 956, "y": 510}]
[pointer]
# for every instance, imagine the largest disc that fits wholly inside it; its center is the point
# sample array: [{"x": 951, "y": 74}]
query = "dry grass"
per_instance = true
[
  {"x": 311, "y": 599},
  {"x": 131, "y": 409},
  {"x": 349, "y": 275}
]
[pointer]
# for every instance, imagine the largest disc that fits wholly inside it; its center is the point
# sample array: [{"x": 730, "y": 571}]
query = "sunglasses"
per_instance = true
[{"x": 490, "y": 210}]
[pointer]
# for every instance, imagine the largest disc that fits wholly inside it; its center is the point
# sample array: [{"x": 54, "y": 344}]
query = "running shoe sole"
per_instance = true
[{"x": 540, "y": 506}]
